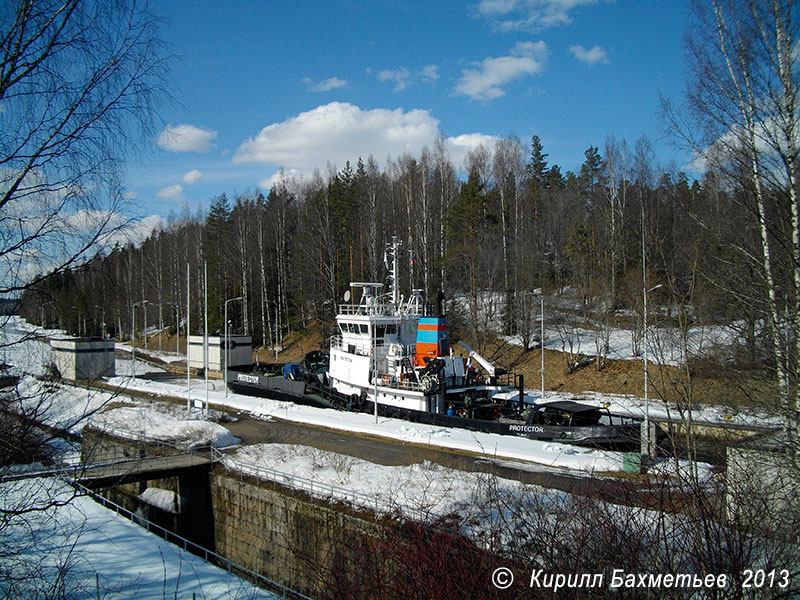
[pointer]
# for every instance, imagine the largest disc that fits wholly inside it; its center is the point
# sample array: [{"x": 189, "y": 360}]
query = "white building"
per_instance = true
[
  {"x": 240, "y": 352},
  {"x": 83, "y": 358}
]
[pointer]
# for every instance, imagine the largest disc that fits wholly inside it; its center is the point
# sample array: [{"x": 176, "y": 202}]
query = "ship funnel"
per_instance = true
[{"x": 433, "y": 339}]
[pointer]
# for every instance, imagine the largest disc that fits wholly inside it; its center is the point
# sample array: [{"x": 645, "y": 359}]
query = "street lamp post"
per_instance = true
[
  {"x": 41, "y": 320},
  {"x": 227, "y": 346},
  {"x": 133, "y": 334},
  {"x": 647, "y": 441},
  {"x": 145, "y": 325},
  {"x": 541, "y": 339}
]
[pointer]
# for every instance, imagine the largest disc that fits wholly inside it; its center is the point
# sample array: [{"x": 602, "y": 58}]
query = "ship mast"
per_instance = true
[{"x": 393, "y": 249}]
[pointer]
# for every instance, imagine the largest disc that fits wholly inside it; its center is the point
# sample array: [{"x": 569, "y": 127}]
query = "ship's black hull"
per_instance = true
[{"x": 274, "y": 387}]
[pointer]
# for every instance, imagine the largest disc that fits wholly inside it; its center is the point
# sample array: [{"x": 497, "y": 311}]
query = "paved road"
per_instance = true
[{"x": 392, "y": 452}]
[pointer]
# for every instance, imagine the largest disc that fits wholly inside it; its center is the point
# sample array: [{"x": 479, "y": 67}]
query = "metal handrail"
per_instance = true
[
  {"x": 318, "y": 488},
  {"x": 109, "y": 459},
  {"x": 199, "y": 550}
]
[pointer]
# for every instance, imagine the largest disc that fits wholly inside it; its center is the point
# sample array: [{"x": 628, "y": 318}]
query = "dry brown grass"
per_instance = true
[
  {"x": 711, "y": 384},
  {"x": 296, "y": 345}
]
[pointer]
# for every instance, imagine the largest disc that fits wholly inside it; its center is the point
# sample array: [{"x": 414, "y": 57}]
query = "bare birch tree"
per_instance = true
[
  {"x": 78, "y": 83},
  {"x": 743, "y": 95}
]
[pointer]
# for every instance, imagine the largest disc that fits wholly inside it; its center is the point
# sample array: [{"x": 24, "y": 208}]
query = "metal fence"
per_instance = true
[
  {"x": 321, "y": 489},
  {"x": 188, "y": 546}
]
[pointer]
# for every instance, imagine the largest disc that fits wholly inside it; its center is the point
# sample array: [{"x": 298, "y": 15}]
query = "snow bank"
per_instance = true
[
  {"x": 163, "y": 499},
  {"x": 420, "y": 489},
  {"x": 60, "y": 406},
  {"x": 144, "y": 423}
]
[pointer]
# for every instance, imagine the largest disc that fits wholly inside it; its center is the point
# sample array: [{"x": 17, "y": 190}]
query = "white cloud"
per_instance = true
[
  {"x": 769, "y": 144},
  {"x": 337, "y": 132},
  {"x": 278, "y": 176},
  {"x": 596, "y": 55},
  {"x": 402, "y": 77},
  {"x": 116, "y": 228},
  {"x": 496, "y": 7},
  {"x": 133, "y": 232},
  {"x": 191, "y": 177},
  {"x": 459, "y": 146},
  {"x": 171, "y": 192},
  {"x": 398, "y": 76},
  {"x": 430, "y": 73},
  {"x": 186, "y": 138},
  {"x": 484, "y": 81},
  {"x": 326, "y": 85},
  {"x": 528, "y": 15}
]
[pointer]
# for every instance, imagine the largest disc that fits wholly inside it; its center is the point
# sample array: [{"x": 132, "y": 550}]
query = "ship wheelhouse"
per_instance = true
[{"x": 376, "y": 335}]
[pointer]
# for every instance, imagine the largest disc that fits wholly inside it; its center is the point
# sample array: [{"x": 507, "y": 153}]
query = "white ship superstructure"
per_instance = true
[{"x": 382, "y": 345}]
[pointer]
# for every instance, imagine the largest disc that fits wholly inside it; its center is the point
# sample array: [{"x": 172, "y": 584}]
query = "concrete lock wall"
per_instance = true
[
  {"x": 83, "y": 358},
  {"x": 240, "y": 351},
  {"x": 285, "y": 535},
  {"x": 290, "y": 538}
]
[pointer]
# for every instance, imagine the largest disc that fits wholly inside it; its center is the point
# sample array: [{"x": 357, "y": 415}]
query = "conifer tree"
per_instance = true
[{"x": 216, "y": 237}]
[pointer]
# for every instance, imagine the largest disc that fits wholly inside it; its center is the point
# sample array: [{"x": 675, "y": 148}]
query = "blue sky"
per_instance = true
[{"x": 262, "y": 85}]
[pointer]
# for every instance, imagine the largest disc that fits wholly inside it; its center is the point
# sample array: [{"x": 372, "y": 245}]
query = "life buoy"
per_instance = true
[{"x": 385, "y": 380}]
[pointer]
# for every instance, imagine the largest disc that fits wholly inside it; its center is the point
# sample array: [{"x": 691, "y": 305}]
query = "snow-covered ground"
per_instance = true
[
  {"x": 147, "y": 423},
  {"x": 564, "y": 331},
  {"x": 422, "y": 489},
  {"x": 82, "y": 550},
  {"x": 664, "y": 346}
]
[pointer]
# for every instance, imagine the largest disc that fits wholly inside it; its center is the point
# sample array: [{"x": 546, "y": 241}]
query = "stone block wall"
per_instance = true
[{"x": 291, "y": 538}]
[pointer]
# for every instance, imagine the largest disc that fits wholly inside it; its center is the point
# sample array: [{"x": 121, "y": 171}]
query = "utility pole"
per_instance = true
[
  {"x": 188, "y": 332},
  {"x": 205, "y": 331},
  {"x": 541, "y": 339},
  {"x": 647, "y": 446}
]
